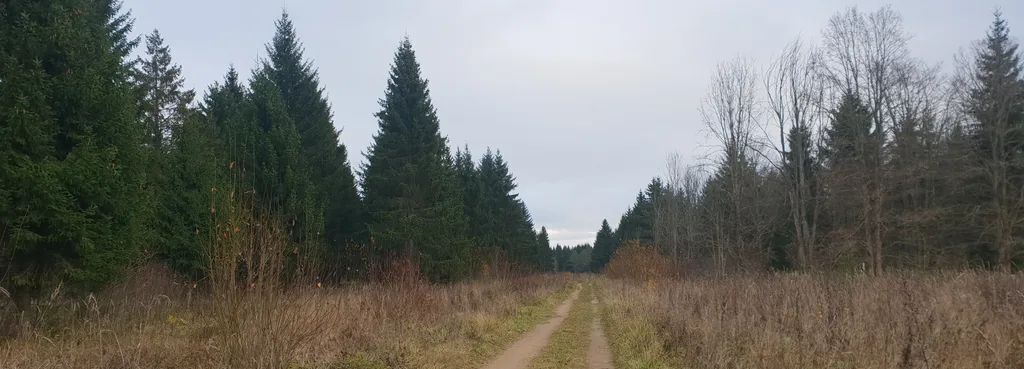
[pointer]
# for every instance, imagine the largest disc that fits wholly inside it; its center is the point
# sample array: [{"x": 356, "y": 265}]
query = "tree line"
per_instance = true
[
  {"x": 848, "y": 154},
  {"x": 108, "y": 162}
]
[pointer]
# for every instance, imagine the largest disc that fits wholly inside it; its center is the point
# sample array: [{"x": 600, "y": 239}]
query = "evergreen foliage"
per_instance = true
[
  {"x": 501, "y": 219},
  {"x": 545, "y": 256},
  {"x": 604, "y": 247},
  {"x": 409, "y": 184},
  {"x": 171, "y": 176},
  {"x": 324, "y": 155},
  {"x": 70, "y": 183}
]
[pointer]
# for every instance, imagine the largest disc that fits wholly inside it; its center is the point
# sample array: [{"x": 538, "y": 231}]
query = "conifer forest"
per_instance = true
[{"x": 848, "y": 202}]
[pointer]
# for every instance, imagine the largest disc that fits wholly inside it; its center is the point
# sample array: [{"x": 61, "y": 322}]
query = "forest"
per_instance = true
[
  {"x": 847, "y": 154},
  {"x": 110, "y": 163},
  {"x": 857, "y": 207}
]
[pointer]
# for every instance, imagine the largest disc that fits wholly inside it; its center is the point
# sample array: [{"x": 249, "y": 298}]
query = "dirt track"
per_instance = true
[
  {"x": 599, "y": 356},
  {"x": 522, "y": 352}
]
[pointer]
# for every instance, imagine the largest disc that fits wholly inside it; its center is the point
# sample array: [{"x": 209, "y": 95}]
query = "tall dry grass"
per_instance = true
[
  {"x": 365, "y": 325},
  {"x": 939, "y": 320},
  {"x": 256, "y": 310}
]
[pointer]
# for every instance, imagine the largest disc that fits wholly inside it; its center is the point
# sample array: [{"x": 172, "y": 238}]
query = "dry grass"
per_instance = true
[
  {"x": 258, "y": 310},
  {"x": 965, "y": 320},
  {"x": 359, "y": 326}
]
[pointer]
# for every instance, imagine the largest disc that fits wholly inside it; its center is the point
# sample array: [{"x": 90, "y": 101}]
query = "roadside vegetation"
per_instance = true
[
  {"x": 156, "y": 323},
  {"x": 951, "y": 320}
]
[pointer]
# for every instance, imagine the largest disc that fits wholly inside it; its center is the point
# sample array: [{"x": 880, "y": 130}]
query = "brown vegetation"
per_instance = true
[
  {"x": 965, "y": 320},
  {"x": 164, "y": 325},
  {"x": 635, "y": 261}
]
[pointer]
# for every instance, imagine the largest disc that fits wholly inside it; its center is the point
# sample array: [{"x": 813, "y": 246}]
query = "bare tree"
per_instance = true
[
  {"x": 729, "y": 113},
  {"x": 864, "y": 55},
  {"x": 677, "y": 212},
  {"x": 794, "y": 95}
]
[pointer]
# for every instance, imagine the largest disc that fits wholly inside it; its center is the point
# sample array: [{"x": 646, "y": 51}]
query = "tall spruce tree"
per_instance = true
[
  {"x": 996, "y": 103},
  {"x": 545, "y": 254},
  {"x": 637, "y": 224},
  {"x": 846, "y": 137},
  {"x": 226, "y": 109},
  {"x": 502, "y": 221},
  {"x": 469, "y": 180},
  {"x": 70, "y": 159},
  {"x": 410, "y": 189},
  {"x": 323, "y": 153},
  {"x": 281, "y": 176},
  {"x": 164, "y": 99},
  {"x": 195, "y": 169},
  {"x": 604, "y": 246},
  {"x": 172, "y": 175}
]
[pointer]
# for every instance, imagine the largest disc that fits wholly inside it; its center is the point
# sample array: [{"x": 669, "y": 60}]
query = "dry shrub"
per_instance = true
[
  {"x": 260, "y": 313},
  {"x": 496, "y": 264},
  {"x": 966, "y": 320},
  {"x": 635, "y": 261},
  {"x": 401, "y": 269}
]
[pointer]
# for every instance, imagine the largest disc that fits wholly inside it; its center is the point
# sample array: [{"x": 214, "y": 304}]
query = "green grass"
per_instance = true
[{"x": 568, "y": 345}]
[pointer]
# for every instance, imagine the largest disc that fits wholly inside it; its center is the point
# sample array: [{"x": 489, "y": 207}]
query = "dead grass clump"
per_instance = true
[{"x": 966, "y": 320}]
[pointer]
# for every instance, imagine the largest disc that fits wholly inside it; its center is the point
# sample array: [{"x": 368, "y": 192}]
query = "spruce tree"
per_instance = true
[
  {"x": 469, "y": 180},
  {"x": 501, "y": 218},
  {"x": 545, "y": 254},
  {"x": 172, "y": 176},
  {"x": 846, "y": 137},
  {"x": 604, "y": 246},
  {"x": 70, "y": 158},
  {"x": 637, "y": 223},
  {"x": 996, "y": 103},
  {"x": 195, "y": 169},
  {"x": 164, "y": 100},
  {"x": 323, "y": 153},
  {"x": 226, "y": 109},
  {"x": 410, "y": 189},
  {"x": 281, "y": 177}
]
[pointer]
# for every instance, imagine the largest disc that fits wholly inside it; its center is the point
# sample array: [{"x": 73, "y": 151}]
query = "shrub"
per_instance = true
[{"x": 633, "y": 260}]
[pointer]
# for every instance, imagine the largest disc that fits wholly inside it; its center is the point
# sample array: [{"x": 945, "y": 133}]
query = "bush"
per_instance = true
[{"x": 633, "y": 260}]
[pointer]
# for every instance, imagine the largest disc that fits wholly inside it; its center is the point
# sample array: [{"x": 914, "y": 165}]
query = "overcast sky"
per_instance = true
[{"x": 584, "y": 98}]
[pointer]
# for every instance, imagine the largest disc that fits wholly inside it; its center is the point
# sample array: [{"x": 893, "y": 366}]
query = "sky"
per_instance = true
[{"x": 584, "y": 98}]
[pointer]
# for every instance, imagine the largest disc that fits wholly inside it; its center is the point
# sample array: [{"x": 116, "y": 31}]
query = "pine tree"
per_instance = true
[
  {"x": 409, "y": 185},
  {"x": 326, "y": 157},
  {"x": 604, "y": 247},
  {"x": 70, "y": 186}
]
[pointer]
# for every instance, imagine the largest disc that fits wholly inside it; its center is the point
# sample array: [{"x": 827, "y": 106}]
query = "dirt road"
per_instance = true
[
  {"x": 599, "y": 356},
  {"x": 522, "y": 352}
]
